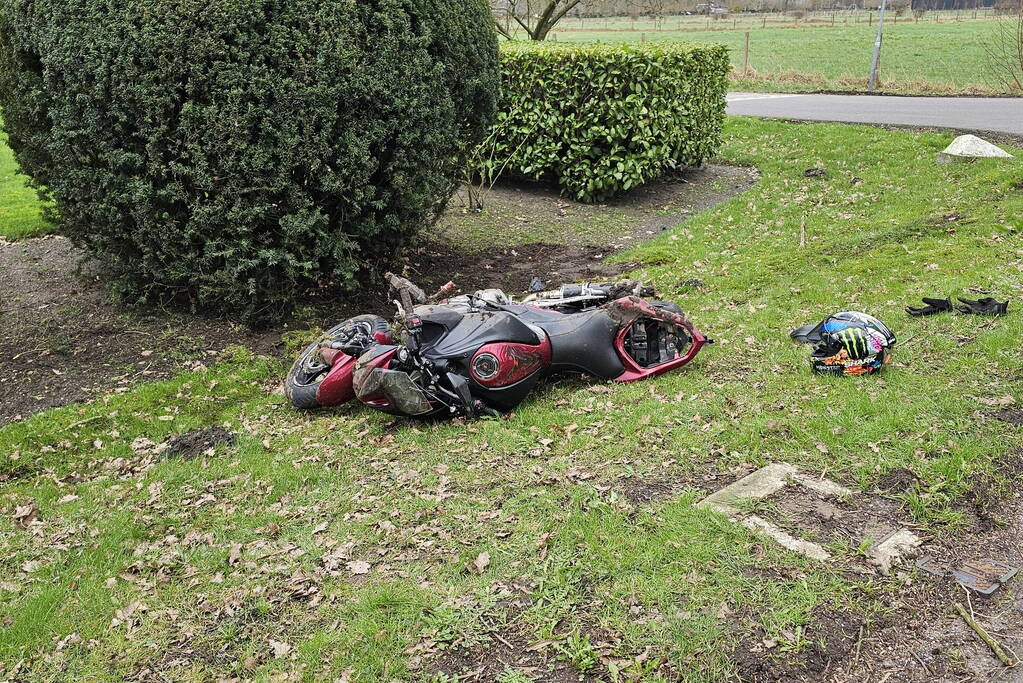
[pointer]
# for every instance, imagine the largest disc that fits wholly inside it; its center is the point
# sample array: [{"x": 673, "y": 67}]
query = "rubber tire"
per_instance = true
[{"x": 303, "y": 396}]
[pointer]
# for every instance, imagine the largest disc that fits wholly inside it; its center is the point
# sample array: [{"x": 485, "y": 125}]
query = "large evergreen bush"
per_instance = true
[
  {"x": 599, "y": 119},
  {"x": 234, "y": 150}
]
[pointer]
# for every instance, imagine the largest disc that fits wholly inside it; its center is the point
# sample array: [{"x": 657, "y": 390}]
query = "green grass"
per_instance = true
[
  {"x": 920, "y": 57},
  {"x": 544, "y": 493},
  {"x": 20, "y": 210}
]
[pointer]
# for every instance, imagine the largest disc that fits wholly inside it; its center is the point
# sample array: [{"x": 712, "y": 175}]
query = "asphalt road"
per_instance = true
[{"x": 997, "y": 114}]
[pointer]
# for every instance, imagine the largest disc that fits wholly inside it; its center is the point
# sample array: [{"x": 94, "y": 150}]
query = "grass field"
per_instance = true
[
  {"x": 20, "y": 211},
  {"x": 924, "y": 57},
  {"x": 348, "y": 544}
]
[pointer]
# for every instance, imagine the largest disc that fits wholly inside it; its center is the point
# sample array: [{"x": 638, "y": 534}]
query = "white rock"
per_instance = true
[{"x": 971, "y": 147}]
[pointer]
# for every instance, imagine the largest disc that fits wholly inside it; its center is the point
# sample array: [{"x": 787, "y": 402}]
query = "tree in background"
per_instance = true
[
  {"x": 536, "y": 17},
  {"x": 1005, "y": 50}
]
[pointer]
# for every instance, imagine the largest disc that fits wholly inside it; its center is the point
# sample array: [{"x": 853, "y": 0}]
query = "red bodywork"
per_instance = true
[
  {"x": 515, "y": 362},
  {"x": 627, "y": 311},
  {"x": 336, "y": 388}
]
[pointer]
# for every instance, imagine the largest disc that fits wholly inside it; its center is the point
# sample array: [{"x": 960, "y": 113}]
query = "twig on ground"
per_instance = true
[
  {"x": 917, "y": 658},
  {"x": 83, "y": 422},
  {"x": 27, "y": 352},
  {"x": 129, "y": 376},
  {"x": 506, "y": 643},
  {"x": 979, "y": 630},
  {"x": 859, "y": 642}
]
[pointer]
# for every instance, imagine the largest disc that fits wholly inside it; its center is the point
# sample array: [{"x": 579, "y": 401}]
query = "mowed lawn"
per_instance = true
[
  {"x": 350, "y": 544},
  {"x": 916, "y": 57},
  {"x": 20, "y": 211}
]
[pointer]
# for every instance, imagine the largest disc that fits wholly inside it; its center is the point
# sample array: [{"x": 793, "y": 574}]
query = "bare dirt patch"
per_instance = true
[
  {"x": 897, "y": 480},
  {"x": 521, "y": 212},
  {"x": 1013, "y": 416},
  {"x": 510, "y": 649},
  {"x": 196, "y": 442},
  {"x": 829, "y": 638},
  {"x": 826, "y": 519},
  {"x": 64, "y": 341},
  {"x": 512, "y": 268},
  {"x": 922, "y": 638}
]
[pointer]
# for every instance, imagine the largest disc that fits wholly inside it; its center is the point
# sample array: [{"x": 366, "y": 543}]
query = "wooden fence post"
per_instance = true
[{"x": 745, "y": 57}]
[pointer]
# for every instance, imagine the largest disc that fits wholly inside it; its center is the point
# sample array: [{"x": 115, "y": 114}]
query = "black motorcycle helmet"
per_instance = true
[{"x": 848, "y": 343}]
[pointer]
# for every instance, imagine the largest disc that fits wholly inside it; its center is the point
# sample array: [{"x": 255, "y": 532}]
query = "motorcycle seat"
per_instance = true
[{"x": 584, "y": 342}]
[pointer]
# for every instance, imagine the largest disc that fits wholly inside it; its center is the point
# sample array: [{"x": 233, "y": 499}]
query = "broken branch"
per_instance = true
[{"x": 991, "y": 642}]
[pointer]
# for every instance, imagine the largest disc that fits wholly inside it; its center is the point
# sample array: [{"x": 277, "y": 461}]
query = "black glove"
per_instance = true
[
  {"x": 933, "y": 306},
  {"x": 985, "y": 306}
]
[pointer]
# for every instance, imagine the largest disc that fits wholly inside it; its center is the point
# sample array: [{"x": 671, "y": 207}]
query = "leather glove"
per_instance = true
[
  {"x": 933, "y": 306},
  {"x": 985, "y": 306}
]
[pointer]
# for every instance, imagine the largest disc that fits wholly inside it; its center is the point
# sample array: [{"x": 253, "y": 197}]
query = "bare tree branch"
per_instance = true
[
  {"x": 537, "y": 25},
  {"x": 1005, "y": 50}
]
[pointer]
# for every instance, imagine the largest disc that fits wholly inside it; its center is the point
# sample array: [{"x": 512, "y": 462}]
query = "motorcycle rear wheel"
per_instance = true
[{"x": 303, "y": 380}]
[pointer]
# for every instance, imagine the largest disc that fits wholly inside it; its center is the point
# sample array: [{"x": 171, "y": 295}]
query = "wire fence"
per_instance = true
[{"x": 754, "y": 20}]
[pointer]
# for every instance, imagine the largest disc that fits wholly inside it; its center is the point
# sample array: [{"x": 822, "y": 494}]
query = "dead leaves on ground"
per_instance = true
[{"x": 25, "y": 515}]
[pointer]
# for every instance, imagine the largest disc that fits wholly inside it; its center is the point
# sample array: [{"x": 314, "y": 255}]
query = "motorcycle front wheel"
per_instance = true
[{"x": 303, "y": 381}]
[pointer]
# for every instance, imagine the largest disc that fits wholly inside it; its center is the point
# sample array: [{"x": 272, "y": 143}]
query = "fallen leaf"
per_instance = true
[
  {"x": 279, "y": 648},
  {"x": 481, "y": 562},
  {"x": 68, "y": 640},
  {"x": 25, "y": 514},
  {"x": 235, "y": 554},
  {"x": 358, "y": 567}
]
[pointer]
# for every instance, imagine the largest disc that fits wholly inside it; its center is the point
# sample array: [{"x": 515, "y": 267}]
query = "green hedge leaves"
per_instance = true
[
  {"x": 600, "y": 119},
  {"x": 233, "y": 151}
]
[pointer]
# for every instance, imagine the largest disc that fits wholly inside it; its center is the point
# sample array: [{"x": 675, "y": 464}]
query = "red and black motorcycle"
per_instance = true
[{"x": 481, "y": 353}]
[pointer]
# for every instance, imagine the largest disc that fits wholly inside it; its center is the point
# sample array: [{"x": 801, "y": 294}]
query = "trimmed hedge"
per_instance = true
[
  {"x": 234, "y": 151},
  {"x": 599, "y": 119}
]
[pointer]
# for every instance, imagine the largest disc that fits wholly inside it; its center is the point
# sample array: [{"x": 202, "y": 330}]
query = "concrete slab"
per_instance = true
[
  {"x": 887, "y": 548},
  {"x": 784, "y": 539},
  {"x": 756, "y": 485},
  {"x": 891, "y": 551},
  {"x": 823, "y": 486}
]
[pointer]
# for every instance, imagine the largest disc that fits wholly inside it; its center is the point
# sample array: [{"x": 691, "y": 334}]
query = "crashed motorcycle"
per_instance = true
[{"x": 481, "y": 353}]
